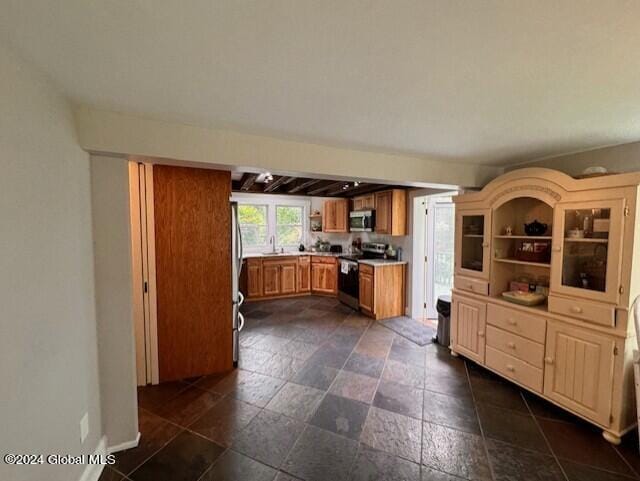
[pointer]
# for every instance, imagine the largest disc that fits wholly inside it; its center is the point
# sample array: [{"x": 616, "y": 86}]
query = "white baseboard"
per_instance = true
[
  {"x": 92, "y": 472},
  {"x": 126, "y": 445}
]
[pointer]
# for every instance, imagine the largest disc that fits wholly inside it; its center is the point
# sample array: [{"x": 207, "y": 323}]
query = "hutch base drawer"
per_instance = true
[{"x": 514, "y": 368}]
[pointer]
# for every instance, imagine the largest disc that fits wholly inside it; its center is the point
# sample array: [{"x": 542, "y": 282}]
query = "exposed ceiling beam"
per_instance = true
[
  {"x": 324, "y": 188},
  {"x": 275, "y": 185},
  {"x": 303, "y": 184},
  {"x": 247, "y": 181}
]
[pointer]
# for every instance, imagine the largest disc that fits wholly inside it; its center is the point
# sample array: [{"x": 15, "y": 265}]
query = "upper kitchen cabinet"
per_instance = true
[
  {"x": 335, "y": 217},
  {"x": 587, "y": 247},
  {"x": 391, "y": 212},
  {"x": 364, "y": 202},
  {"x": 472, "y": 242}
]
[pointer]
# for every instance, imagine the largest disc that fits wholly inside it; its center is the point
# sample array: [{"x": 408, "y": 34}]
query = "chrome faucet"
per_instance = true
[{"x": 272, "y": 241}]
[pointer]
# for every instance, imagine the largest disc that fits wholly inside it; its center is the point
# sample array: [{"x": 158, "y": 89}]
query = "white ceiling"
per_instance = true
[{"x": 486, "y": 81}]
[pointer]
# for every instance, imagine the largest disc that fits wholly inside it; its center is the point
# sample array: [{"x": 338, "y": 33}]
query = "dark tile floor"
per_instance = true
[{"x": 323, "y": 393}]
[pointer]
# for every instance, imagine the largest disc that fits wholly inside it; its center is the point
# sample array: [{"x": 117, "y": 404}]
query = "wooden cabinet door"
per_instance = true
[
  {"x": 364, "y": 202},
  {"x": 329, "y": 216},
  {"x": 271, "y": 278},
  {"x": 472, "y": 243},
  {"x": 593, "y": 259},
  {"x": 468, "y": 328},
  {"x": 342, "y": 215},
  {"x": 288, "y": 275},
  {"x": 579, "y": 370},
  {"x": 383, "y": 212},
  {"x": 304, "y": 274},
  {"x": 366, "y": 292},
  {"x": 254, "y": 278},
  {"x": 323, "y": 278}
]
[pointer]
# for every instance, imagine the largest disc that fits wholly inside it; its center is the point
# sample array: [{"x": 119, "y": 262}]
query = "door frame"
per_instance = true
[
  {"x": 429, "y": 291},
  {"x": 420, "y": 252},
  {"x": 143, "y": 267}
]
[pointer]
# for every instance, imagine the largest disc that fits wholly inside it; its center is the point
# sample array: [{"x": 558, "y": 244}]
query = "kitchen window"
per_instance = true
[
  {"x": 253, "y": 225},
  {"x": 265, "y": 217}
]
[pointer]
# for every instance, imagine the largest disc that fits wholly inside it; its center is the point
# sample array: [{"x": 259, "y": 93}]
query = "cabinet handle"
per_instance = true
[
  {"x": 576, "y": 310},
  {"x": 510, "y": 368},
  {"x": 512, "y": 322},
  {"x": 480, "y": 333},
  {"x": 556, "y": 249},
  {"x": 548, "y": 360},
  {"x": 485, "y": 244},
  {"x": 470, "y": 286},
  {"x": 511, "y": 344}
]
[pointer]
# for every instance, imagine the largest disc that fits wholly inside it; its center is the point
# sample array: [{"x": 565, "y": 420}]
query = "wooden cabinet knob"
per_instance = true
[
  {"x": 511, "y": 344},
  {"x": 512, "y": 322},
  {"x": 548, "y": 360},
  {"x": 576, "y": 309},
  {"x": 470, "y": 286},
  {"x": 480, "y": 333},
  {"x": 510, "y": 368},
  {"x": 485, "y": 244}
]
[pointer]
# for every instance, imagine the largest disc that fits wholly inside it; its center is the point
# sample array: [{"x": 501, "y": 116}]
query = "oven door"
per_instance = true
[{"x": 348, "y": 278}]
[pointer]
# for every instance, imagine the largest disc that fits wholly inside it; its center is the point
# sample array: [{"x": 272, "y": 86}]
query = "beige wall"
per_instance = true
[
  {"x": 122, "y": 134},
  {"x": 619, "y": 158},
  {"x": 112, "y": 253},
  {"x": 49, "y": 367}
]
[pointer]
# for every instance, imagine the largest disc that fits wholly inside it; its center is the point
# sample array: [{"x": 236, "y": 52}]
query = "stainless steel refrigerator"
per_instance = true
[{"x": 236, "y": 268}]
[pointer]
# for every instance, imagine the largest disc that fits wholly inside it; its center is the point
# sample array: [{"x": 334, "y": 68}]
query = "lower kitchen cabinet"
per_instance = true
[
  {"x": 254, "y": 278},
  {"x": 469, "y": 326},
  {"x": 288, "y": 276},
  {"x": 304, "y": 274},
  {"x": 382, "y": 290},
  {"x": 579, "y": 370},
  {"x": 324, "y": 275},
  {"x": 271, "y": 284}
]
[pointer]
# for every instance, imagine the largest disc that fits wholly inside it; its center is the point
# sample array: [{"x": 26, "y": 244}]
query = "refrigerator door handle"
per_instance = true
[
  {"x": 241, "y": 323},
  {"x": 240, "y": 247},
  {"x": 240, "y": 298}
]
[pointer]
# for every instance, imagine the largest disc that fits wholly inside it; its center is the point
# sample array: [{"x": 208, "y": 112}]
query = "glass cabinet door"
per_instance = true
[
  {"x": 587, "y": 248},
  {"x": 472, "y": 238}
]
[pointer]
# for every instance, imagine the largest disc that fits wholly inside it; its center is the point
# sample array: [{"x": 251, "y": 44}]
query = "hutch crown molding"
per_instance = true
[{"x": 575, "y": 349}]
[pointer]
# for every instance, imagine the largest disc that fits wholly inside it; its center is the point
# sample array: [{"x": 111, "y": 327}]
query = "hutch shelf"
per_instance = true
[{"x": 576, "y": 348}]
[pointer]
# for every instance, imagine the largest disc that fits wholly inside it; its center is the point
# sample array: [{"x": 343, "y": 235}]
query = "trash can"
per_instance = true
[{"x": 443, "y": 306}]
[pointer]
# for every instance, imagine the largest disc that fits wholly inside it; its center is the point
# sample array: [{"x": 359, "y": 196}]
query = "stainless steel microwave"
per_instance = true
[{"x": 362, "y": 220}]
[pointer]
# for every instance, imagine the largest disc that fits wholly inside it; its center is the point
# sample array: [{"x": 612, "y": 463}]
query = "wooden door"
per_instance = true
[
  {"x": 468, "y": 323},
  {"x": 383, "y": 212},
  {"x": 331, "y": 278},
  {"x": 254, "y": 278},
  {"x": 472, "y": 243},
  {"x": 193, "y": 271},
  {"x": 593, "y": 258},
  {"x": 579, "y": 370},
  {"x": 271, "y": 281},
  {"x": 288, "y": 276},
  {"x": 304, "y": 274},
  {"x": 366, "y": 290},
  {"x": 323, "y": 278}
]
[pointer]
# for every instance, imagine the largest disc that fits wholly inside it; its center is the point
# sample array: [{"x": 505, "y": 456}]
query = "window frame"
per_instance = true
[
  {"x": 259, "y": 247},
  {"x": 272, "y": 201}
]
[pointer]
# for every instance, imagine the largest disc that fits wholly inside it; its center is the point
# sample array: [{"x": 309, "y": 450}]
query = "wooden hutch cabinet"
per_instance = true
[{"x": 574, "y": 241}]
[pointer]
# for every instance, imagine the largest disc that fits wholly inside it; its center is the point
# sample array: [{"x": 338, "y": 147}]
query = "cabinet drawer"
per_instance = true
[
  {"x": 365, "y": 269},
  {"x": 517, "y": 322},
  {"x": 589, "y": 311},
  {"x": 513, "y": 368},
  {"x": 323, "y": 260},
  {"x": 516, "y": 346},
  {"x": 473, "y": 285}
]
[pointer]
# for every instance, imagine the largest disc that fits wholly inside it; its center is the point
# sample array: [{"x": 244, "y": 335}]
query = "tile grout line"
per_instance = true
[
  {"x": 546, "y": 440},
  {"x": 482, "y": 435}
]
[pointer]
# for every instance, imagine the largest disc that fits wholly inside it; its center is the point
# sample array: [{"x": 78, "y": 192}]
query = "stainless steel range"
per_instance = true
[{"x": 348, "y": 281}]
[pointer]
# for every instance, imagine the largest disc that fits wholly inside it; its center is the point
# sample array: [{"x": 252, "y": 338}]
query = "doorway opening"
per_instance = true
[{"x": 433, "y": 240}]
